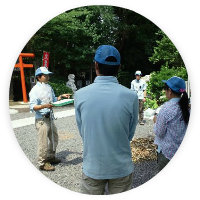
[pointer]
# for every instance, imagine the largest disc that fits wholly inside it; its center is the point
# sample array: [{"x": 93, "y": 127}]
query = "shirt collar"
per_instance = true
[
  {"x": 174, "y": 99},
  {"x": 39, "y": 84},
  {"x": 137, "y": 81},
  {"x": 105, "y": 79}
]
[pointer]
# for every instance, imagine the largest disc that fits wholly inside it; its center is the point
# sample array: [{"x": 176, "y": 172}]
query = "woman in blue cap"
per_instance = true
[{"x": 172, "y": 120}]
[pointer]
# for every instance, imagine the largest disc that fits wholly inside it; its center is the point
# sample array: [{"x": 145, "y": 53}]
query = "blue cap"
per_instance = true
[
  {"x": 105, "y": 51},
  {"x": 42, "y": 70},
  {"x": 177, "y": 84}
]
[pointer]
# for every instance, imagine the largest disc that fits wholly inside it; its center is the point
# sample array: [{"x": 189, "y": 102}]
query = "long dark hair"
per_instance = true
[{"x": 183, "y": 103}]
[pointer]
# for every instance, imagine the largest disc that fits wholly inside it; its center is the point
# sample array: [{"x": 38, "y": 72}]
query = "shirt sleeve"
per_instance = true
[
  {"x": 132, "y": 85},
  {"x": 160, "y": 126},
  {"x": 54, "y": 97},
  {"x": 33, "y": 100},
  {"x": 144, "y": 86},
  {"x": 78, "y": 115},
  {"x": 134, "y": 118}
]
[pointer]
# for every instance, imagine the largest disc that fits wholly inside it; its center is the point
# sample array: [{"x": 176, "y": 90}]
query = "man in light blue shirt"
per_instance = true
[
  {"x": 41, "y": 97},
  {"x": 106, "y": 115}
]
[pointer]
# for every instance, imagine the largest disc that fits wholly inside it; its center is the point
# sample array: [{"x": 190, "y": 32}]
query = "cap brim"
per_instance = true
[
  {"x": 47, "y": 73},
  {"x": 164, "y": 81}
]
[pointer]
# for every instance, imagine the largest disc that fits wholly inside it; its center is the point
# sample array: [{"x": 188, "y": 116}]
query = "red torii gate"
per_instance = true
[{"x": 21, "y": 65}]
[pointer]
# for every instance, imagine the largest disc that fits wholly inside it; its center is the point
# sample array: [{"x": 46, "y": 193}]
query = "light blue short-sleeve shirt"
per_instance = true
[{"x": 106, "y": 115}]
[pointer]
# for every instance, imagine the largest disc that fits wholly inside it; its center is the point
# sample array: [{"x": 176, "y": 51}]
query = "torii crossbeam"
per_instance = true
[{"x": 21, "y": 65}]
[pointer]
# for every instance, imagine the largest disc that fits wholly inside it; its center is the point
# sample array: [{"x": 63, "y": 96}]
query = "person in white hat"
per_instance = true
[
  {"x": 41, "y": 97},
  {"x": 139, "y": 86}
]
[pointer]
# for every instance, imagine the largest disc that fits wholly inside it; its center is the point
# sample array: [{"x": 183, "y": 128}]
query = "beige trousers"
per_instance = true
[
  {"x": 141, "y": 110},
  {"x": 45, "y": 148},
  {"x": 97, "y": 187}
]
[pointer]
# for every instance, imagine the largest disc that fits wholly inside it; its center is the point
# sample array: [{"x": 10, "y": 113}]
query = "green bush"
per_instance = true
[
  {"x": 150, "y": 103},
  {"x": 59, "y": 86},
  {"x": 155, "y": 87}
]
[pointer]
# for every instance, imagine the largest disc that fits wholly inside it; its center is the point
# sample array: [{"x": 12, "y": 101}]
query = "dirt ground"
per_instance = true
[{"x": 19, "y": 103}]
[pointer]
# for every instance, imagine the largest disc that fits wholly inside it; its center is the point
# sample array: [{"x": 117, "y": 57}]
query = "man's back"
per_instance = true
[{"x": 107, "y": 115}]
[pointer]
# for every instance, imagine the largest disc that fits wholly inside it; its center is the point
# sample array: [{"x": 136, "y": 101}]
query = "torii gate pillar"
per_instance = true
[{"x": 21, "y": 65}]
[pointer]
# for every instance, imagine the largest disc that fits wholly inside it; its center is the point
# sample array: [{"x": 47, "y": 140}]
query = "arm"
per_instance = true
[
  {"x": 145, "y": 95},
  {"x": 144, "y": 91},
  {"x": 132, "y": 86},
  {"x": 134, "y": 119},
  {"x": 64, "y": 96},
  {"x": 39, "y": 107},
  {"x": 78, "y": 115},
  {"x": 60, "y": 97},
  {"x": 160, "y": 125}
]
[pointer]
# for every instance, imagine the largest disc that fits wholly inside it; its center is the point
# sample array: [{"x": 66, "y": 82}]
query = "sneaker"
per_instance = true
[
  {"x": 141, "y": 123},
  {"x": 47, "y": 167},
  {"x": 54, "y": 160}
]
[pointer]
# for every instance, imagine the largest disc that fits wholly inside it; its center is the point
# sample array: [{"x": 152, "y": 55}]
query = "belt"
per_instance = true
[{"x": 47, "y": 115}]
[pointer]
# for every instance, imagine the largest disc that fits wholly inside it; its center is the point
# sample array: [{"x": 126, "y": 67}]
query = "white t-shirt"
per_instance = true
[{"x": 139, "y": 86}]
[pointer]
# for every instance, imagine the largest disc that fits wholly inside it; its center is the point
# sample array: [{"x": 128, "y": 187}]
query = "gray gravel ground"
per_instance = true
[{"x": 68, "y": 173}]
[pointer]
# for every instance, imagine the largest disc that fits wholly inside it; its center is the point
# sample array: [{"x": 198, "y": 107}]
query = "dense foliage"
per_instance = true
[
  {"x": 59, "y": 87},
  {"x": 155, "y": 92},
  {"x": 73, "y": 36}
]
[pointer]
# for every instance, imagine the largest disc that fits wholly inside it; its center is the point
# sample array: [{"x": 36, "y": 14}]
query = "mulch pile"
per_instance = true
[{"x": 143, "y": 149}]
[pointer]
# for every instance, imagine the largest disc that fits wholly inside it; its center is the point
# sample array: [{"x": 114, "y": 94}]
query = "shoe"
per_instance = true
[
  {"x": 54, "y": 160},
  {"x": 141, "y": 123},
  {"x": 47, "y": 167}
]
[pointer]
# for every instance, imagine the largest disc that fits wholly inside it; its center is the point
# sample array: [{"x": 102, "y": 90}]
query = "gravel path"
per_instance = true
[{"x": 68, "y": 173}]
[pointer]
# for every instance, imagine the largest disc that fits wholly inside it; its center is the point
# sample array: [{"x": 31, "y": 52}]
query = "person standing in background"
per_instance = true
[{"x": 139, "y": 86}]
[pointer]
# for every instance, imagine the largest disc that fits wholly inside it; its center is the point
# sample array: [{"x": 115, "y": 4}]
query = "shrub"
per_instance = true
[
  {"x": 155, "y": 88},
  {"x": 59, "y": 86}
]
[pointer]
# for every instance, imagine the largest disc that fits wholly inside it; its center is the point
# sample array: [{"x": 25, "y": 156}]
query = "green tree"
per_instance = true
[
  {"x": 165, "y": 53},
  {"x": 155, "y": 85},
  {"x": 73, "y": 36}
]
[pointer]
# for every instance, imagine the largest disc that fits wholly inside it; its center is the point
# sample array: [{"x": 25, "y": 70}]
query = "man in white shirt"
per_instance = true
[
  {"x": 139, "y": 86},
  {"x": 41, "y": 97}
]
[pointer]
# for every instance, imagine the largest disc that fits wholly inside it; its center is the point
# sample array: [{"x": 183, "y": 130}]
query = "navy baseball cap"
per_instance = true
[
  {"x": 42, "y": 70},
  {"x": 105, "y": 51},
  {"x": 177, "y": 84}
]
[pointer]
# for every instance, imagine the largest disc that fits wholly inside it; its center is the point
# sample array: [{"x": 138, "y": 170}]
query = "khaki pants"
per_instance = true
[
  {"x": 141, "y": 110},
  {"x": 45, "y": 150},
  {"x": 97, "y": 187}
]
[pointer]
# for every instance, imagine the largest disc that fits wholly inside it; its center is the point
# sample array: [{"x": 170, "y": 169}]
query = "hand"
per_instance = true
[
  {"x": 66, "y": 95},
  {"x": 48, "y": 105},
  {"x": 155, "y": 118},
  {"x": 144, "y": 99}
]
